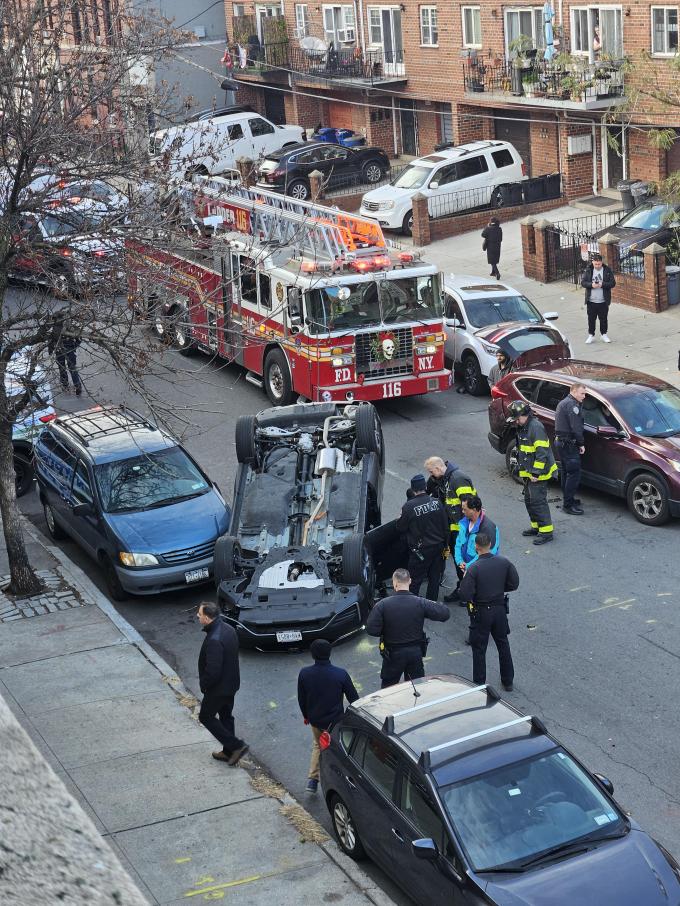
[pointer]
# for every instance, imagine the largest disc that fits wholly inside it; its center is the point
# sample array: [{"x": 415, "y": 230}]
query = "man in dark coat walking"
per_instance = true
[
  {"x": 219, "y": 678},
  {"x": 63, "y": 342},
  {"x": 321, "y": 689},
  {"x": 492, "y": 234}
]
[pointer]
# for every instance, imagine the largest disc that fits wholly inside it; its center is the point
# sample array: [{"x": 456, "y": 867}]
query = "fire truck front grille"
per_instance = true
[{"x": 370, "y": 360}]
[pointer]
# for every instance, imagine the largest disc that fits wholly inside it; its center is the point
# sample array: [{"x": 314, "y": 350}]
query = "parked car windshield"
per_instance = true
[
  {"x": 487, "y": 311},
  {"x": 412, "y": 177},
  {"x": 649, "y": 217},
  {"x": 67, "y": 223},
  {"x": 148, "y": 481},
  {"x": 652, "y": 413},
  {"x": 374, "y": 303},
  {"x": 510, "y": 816}
]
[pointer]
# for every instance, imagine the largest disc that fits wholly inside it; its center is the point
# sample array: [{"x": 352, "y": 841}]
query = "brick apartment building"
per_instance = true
[{"x": 411, "y": 75}]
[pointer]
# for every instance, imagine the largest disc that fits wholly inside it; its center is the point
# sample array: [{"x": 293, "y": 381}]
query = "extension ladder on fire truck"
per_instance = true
[{"x": 310, "y": 228}]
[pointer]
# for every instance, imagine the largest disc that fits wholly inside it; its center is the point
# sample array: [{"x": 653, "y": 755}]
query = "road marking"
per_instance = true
[
  {"x": 580, "y": 588},
  {"x": 398, "y": 477},
  {"x": 624, "y": 605},
  {"x": 204, "y": 890},
  {"x": 664, "y": 594},
  {"x": 183, "y": 859}
]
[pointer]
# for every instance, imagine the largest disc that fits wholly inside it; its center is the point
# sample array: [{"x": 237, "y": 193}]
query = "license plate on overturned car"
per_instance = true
[
  {"x": 291, "y": 636},
  {"x": 195, "y": 575}
]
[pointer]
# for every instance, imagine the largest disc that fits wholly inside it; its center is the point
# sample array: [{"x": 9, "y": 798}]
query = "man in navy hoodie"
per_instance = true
[{"x": 321, "y": 689}]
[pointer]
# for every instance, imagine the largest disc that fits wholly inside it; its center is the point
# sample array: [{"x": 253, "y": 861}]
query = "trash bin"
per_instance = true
[
  {"x": 534, "y": 189},
  {"x": 673, "y": 284},
  {"x": 640, "y": 191},
  {"x": 510, "y": 194},
  {"x": 624, "y": 187},
  {"x": 553, "y": 185}
]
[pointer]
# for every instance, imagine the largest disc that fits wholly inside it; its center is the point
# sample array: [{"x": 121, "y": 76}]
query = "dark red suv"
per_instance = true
[{"x": 632, "y": 429}]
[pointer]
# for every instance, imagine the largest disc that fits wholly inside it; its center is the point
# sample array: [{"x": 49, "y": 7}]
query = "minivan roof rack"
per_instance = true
[
  {"x": 85, "y": 427},
  {"x": 388, "y": 726},
  {"x": 536, "y": 724}
]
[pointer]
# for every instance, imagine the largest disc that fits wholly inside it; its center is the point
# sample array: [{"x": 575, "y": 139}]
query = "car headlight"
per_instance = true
[
  {"x": 426, "y": 350},
  {"x": 385, "y": 205},
  {"x": 130, "y": 559},
  {"x": 339, "y": 360},
  {"x": 489, "y": 349}
]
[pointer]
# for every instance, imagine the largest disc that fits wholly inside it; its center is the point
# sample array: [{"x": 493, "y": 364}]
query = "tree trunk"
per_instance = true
[{"x": 24, "y": 581}]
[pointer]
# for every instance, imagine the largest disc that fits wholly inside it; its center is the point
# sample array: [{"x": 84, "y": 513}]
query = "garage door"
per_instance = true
[
  {"x": 514, "y": 131},
  {"x": 340, "y": 115}
]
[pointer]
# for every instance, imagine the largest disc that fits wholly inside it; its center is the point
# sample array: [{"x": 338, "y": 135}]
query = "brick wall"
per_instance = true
[
  {"x": 456, "y": 225},
  {"x": 645, "y": 161},
  {"x": 544, "y": 145}
]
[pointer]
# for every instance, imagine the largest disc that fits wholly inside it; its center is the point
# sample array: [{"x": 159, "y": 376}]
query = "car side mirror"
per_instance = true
[
  {"x": 455, "y": 322},
  {"x": 551, "y": 315},
  {"x": 426, "y": 849},
  {"x": 604, "y": 782},
  {"x": 434, "y": 185},
  {"x": 82, "y": 509},
  {"x": 607, "y": 431}
]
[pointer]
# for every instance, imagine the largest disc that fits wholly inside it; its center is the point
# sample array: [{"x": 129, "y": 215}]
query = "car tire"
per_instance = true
[
  {"x": 299, "y": 190},
  {"x": 647, "y": 498},
  {"x": 53, "y": 527},
  {"x": 223, "y": 563},
  {"x": 369, "y": 430},
  {"x": 372, "y": 172},
  {"x": 497, "y": 197},
  {"x": 407, "y": 224},
  {"x": 115, "y": 590},
  {"x": 511, "y": 462},
  {"x": 23, "y": 474},
  {"x": 181, "y": 328},
  {"x": 345, "y": 829},
  {"x": 357, "y": 568},
  {"x": 277, "y": 382},
  {"x": 473, "y": 380},
  {"x": 246, "y": 450}
]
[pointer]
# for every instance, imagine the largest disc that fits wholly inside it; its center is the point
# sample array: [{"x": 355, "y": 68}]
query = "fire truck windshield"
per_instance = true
[{"x": 382, "y": 302}]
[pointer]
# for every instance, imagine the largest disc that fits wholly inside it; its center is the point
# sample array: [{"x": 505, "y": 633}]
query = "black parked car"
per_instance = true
[
  {"x": 288, "y": 170},
  {"x": 462, "y": 799},
  {"x": 653, "y": 221},
  {"x": 296, "y": 563}
]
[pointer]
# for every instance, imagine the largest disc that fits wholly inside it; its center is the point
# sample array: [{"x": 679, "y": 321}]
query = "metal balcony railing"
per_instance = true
[{"x": 348, "y": 63}]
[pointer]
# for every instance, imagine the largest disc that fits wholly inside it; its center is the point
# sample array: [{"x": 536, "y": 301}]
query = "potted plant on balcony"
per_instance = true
[
  {"x": 519, "y": 48},
  {"x": 530, "y": 83},
  {"x": 574, "y": 85}
]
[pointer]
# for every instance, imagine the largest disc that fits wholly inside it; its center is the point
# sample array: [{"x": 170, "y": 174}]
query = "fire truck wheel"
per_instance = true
[
  {"x": 245, "y": 439},
  {"x": 369, "y": 432},
  {"x": 182, "y": 332},
  {"x": 277, "y": 383},
  {"x": 407, "y": 224},
  {"x": 223, "y": 563}
]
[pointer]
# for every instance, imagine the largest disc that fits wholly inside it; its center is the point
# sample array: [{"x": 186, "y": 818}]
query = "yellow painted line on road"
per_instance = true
[
  {"x": 204, "y": 890},
  {"x": 624, "y": 604},
  {"x": 184, "y": 859}
]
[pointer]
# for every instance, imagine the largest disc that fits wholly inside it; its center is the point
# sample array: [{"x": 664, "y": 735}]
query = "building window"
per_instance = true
[
  {"x": 301, "y": 20},
  {"x": 665, "y": 30},
  {"x": 239, "y": 10},
  {"x": 472, "y": 26},
  {"x": 339, "y": 24},
  {"x": 374, "y": 26},
  {"x": 429, "y": 36},
  {"x": 527, "y": 21},
  {"x": 596, "y": 30}
]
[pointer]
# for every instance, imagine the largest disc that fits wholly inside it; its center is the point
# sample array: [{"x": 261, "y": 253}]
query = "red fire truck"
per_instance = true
[{"x": 310, "y": 301}]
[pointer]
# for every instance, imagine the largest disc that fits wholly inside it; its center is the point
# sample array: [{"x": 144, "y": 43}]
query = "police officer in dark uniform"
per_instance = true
[
  {"x": 571, "y": 446},
  {"x": 485, "y": 587},
  {"x": 399, "y": 620},
  {"x": 424, "y": 522}
]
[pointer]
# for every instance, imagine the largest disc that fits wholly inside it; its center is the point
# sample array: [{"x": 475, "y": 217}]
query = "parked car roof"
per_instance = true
[
  {"x": 457, "y": 152},
  {"x": 112, "y": 433},
  {"x": 472, "y": 286},
  {"x": 307, "y": 146},
  {"x": 605, "y": 379}
]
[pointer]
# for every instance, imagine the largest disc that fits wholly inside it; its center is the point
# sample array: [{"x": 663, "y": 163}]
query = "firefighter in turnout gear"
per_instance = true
[
  {"x": 536, "y": 467},
  {"x": 450, "y": 485},
  {"x": 424, "y": 522}
]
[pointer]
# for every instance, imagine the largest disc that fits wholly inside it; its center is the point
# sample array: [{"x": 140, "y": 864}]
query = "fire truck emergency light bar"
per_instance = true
[{"x": 311, "y": 228}]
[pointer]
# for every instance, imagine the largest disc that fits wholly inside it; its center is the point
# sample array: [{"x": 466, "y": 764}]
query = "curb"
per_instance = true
[{"x": 89, "y": 591}]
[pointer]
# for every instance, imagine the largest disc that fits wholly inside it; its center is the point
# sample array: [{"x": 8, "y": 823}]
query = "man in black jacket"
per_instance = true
[
  {"x": 570, "y": 443},
  {"x": 63, "y": 342},
  {"x": 219, "y": 678},
  {"x": 424, "y": 523},
  {"x": 598, "y": 281},
  {"x": 321, "y": 689},
  {"x": 485, "y": 586},
  {"x": 399, "y": 621}
]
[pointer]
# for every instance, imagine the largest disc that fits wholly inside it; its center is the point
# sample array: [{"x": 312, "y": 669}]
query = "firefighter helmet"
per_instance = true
[{"x": 518, "y": 408}]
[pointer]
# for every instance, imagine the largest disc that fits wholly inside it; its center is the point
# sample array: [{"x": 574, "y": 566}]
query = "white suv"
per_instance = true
[
  {"x": 481, "y": 317},
  {"x": 455, "y": 179}
]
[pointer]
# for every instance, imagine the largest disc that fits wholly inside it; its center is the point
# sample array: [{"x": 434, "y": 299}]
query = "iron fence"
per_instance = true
[
  {"x": 541, "y": 78},
  {"x": 540, "y": 188},
  {"x": 571, "y": 243},
  {"x": 343, "y": 63},
  {"x": 350, "y": 184},
  {"x": 632, "y": 263}
]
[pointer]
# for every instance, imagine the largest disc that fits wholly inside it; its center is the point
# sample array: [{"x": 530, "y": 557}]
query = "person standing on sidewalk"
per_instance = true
[
  {"x": 492, "y": 234},
  {"x": 536, "y": 467},
  {"x": 570, "y": 442},
  {"x": 220, "y": 680},
  {"x": 598, "y": 281},
  {"x": 321, "y": 689},
  {"x": 63, "y": 342}
]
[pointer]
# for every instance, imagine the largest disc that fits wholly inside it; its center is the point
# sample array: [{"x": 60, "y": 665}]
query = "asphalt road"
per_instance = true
[{"x": 595, "y": 623}]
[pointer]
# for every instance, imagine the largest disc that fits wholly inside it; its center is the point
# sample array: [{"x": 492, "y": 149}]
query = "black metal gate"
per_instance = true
[{"x": 570, "y": 243}]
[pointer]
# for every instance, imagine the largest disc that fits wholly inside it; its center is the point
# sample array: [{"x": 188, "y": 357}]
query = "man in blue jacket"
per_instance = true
[
  {"x": 474, "y": 521},
  {"x": 321, "y": 689}
]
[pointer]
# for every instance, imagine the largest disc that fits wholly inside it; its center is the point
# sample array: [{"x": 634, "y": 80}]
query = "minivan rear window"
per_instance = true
[
  {"x": 502, "y": 158},
  {"x": 149, "y": 481}
]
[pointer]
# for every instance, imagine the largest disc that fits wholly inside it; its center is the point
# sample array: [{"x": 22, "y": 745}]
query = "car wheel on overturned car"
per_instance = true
[
  {"x": 647, "y": 498},
  {"x": 357, "y": 568},
  {"x": 345, "y": 829},
  {"x": 245, "y": 439},
  {"x": 223, "y": 562},
  {"x": 369, "y": 430}
]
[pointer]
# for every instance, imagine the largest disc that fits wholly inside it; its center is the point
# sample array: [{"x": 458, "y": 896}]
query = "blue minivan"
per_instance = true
[{"x": 132, "y": 498}]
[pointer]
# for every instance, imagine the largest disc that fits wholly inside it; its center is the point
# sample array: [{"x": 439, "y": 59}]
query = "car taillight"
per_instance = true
[
  {"x": 99, "y": 253},
  {"x": 497, "y": 393},
  {"x": 324, "y": 740},
  {"x": 48, "y": 418},
  {"x": 524, "y": 169}
]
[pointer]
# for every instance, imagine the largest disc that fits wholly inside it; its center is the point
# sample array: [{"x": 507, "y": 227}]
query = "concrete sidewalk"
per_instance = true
[
  {"x": 640, "y": 340},
  {"x": 121, "y": 732}
]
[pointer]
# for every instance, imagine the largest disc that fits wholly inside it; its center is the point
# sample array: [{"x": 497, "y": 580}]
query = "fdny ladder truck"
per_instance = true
[{"x": 311, "y": 301}]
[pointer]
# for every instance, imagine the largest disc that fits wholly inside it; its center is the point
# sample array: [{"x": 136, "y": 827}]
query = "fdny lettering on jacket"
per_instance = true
[{"x": 430, "y": 507}]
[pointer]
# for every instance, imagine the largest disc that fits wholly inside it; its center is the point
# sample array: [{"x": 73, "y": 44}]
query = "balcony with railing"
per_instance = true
[
  {"x": 571, "y": 84},
  {"x": 348, "y": 64}
]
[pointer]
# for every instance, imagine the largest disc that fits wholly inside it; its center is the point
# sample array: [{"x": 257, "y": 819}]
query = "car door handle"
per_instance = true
[
  {"x": 398, "y": 835},
  {"x": 350, "y": 783}
]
